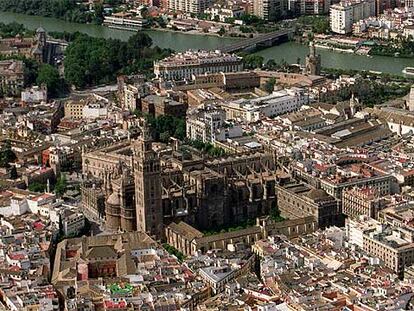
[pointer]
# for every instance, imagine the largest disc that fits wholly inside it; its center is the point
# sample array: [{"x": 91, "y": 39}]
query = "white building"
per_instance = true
[
  {"x": 354, "y": 229},
  {"x": 18, "y": 206},
  {"x": 35, "y": 203},
  {"x": 189, "y": 6},
  {"x": 203, "y": 124},
  {"x": 228, "y": 132},
  {"x": 224, "y": 12},
  {"x": 182, "y": 66},
  {"x": 34, "y": 95},
  {"x": 95, "y": 110},
  {"x": 125, "y": 21},
  {"x": 72, "y": 222},
  {"x": 277, "y": 103},
  {"x": 268, "y": 9},
  {"x": 345, "y": 14}
]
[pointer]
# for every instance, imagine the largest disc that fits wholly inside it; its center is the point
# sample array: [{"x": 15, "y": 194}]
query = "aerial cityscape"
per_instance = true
[{"x": 196, "y": 155}]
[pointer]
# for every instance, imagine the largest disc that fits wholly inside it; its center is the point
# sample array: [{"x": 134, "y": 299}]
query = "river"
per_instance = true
[{"x": 289, "y": 52}]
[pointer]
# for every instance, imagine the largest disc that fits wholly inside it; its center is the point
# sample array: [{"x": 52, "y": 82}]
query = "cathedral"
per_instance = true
[{"x": 146, "y": 188}]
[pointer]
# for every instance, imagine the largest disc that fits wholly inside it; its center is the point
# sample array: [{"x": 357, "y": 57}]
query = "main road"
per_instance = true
[{"x": 289, "y": 52}]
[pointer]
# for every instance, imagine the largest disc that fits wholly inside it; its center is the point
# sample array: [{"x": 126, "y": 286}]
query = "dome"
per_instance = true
[{"x": 113, "y": 199}]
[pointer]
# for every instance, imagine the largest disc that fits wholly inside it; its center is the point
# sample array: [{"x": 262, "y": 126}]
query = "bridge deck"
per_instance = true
[{"x": 254, "y": 41}]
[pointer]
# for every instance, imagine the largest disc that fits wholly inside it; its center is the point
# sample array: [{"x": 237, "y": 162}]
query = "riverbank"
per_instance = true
[
  {"x": 289, "y": 51},
  {"x": 193, "y": 32},
  {"x": 292, "y": 51}
]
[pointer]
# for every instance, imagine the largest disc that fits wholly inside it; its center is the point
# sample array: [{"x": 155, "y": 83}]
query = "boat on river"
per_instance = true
[{"x": 408, "y": 71}]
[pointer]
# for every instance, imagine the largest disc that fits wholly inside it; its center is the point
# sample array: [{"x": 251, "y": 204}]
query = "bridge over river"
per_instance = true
[{"x": 265, "y": 40}]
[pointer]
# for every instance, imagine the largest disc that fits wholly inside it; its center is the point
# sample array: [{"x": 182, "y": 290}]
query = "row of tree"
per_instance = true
[
  {"x": 69, "y": 10},
  {"x": 401, "y": 47},
  {"x": 11, "y": 30},
  {"x": 207, "y": 148},
  {"x": 369, "y": 92},
  {"x": 165, "y": 126}
]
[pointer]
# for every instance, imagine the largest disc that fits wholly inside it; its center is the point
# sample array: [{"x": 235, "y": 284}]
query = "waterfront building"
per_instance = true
[
  {"x": 345, "y": 14},
  {"x": 182, "y": 66},
  {"x": 411, "y": 99},
  {"x": 269, "y": 10},
  {"x": 189, "y": 6},
  {"x": 125, "y": 21},
  {"x": 225, "y": 12}
]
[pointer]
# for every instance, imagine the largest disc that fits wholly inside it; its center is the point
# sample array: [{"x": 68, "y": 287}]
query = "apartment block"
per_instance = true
[
  {"x": 268, "y": 9},
  {"x": 345, "y": 14},
  {"x": 189, "y": 6}
]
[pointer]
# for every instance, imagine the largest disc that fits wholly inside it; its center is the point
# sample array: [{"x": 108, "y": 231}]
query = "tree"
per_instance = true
[
  {"x": 49, "y": 76},
  {"x": 13, "y": 172},
  {"x": 252, "y": 61},
  {"x": 7, "y": 155},
  {"x": 37, "y": 187},
  {"x": 275, "y": 213},
  {"x": 271, "y": 64},
  {"x": 144, "y": 12},
  {"x": 99, "y": 13},
  {"x": 269, "y": 86},
  {"x": 91, "y": 61},
  {"x": 12, "y": 30},
  {"x": 61, "y": 185},
  {"x": 222, "y": 31},
  {"x": 69, "y": 10}
]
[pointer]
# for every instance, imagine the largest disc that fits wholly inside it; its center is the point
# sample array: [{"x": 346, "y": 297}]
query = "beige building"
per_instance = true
[
  {"x": 299, "y": 200},
  {"x": 189, "y": 6},
  {"x": 361, "y": 201},
  {"x": 392, "y": 245},
  {"x": 74, "y": 109},
  {"x": 182, "y": 66},
  {"x": 189, "y": 240},
  {"x": 345, "y": 14},
  {"x": 268, "y": 9},
  {"x": 11, "y": 76}
]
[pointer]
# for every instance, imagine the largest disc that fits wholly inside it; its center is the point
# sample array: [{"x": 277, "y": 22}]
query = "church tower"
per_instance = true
[{"x": 148, "y": 191}]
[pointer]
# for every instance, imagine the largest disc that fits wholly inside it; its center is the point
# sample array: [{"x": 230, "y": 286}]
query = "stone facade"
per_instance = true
[
  {"x": 299, "y": 200},
  {"x": 313, "y": 61},
  {"x": 363, "y": 201},
  {"x": 189, "y": 240},
  {"x": 207, "y": 194}
]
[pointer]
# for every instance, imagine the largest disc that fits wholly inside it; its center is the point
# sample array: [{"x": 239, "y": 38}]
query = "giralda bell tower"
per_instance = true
[{"x": 148, "y": 191}]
